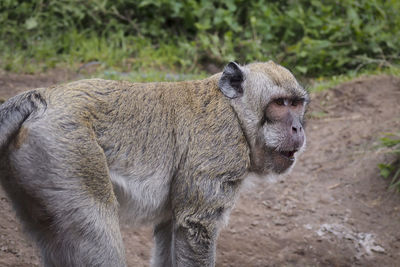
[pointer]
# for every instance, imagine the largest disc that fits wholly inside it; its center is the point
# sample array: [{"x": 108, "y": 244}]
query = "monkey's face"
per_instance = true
[
  {"x": 270, "y": 105},
  {"x": 280, "y": 137}
]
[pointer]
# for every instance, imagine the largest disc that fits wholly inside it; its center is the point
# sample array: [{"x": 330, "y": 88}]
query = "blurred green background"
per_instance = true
[{"x": 312, "y": 38}]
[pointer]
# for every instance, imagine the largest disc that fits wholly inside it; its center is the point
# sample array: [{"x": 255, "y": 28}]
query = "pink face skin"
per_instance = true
[{"x": 284, "y": 115}]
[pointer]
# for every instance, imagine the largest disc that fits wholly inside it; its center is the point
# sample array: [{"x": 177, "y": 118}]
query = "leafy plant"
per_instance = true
[
  {"x": 392, "y": 170},
  {"x": 313, "y": 38}
]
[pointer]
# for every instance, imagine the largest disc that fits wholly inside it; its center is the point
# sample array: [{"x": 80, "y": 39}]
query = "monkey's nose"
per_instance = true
[
  {"x": 297, "y": 134},
  {"x": 297, "y": 129}
]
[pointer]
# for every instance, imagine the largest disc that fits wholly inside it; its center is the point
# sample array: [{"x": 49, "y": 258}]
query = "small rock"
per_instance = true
[
  {"x": 308, "y": 226},
  {"x": 378, "y": 249},
  {"x": 279, "y": 222}
]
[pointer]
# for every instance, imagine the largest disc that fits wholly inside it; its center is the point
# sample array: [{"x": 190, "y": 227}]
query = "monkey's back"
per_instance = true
[{"x": 141, "y": 119}]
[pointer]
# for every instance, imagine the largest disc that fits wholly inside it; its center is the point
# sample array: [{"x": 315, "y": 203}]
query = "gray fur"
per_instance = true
[
  {"x": 14, "y": 112},
  {"x": 75, "y": 156}
]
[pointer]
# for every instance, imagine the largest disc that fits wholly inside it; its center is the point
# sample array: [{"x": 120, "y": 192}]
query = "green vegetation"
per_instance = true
[
  {"x": 392, "y": 170},
  {"x": 313, "y": 38},
  {"x": 322, "y": 83}
]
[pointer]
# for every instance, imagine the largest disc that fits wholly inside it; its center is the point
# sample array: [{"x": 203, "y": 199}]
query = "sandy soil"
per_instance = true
[{"x": 333, "y": 210}]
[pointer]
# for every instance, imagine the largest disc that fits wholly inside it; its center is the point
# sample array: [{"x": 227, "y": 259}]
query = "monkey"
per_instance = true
[{"x": 78, "y": 158}]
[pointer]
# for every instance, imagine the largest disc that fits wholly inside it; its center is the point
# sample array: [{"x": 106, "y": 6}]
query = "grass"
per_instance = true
[
  {"x": 118, "y": 52},
  {"x": 323, "y": 83},
  {"x": 133, "y": 58}
]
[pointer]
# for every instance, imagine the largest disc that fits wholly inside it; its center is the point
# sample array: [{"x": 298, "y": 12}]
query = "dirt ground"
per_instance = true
[{"x": 333, "y": 210}]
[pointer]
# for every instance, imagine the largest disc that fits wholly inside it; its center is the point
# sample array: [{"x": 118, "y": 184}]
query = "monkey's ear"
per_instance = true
[{"x": 231, "y": 80}]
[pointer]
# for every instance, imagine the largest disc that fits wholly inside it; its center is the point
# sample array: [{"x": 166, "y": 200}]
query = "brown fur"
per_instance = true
[{"x": 21, "y": 137}]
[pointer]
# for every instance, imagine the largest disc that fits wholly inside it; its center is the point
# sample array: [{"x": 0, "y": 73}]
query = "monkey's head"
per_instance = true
[{"x": 270, "y": 105}]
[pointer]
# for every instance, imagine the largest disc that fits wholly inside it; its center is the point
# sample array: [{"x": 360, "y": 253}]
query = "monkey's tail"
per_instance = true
[{"x": 15, "y": 111}]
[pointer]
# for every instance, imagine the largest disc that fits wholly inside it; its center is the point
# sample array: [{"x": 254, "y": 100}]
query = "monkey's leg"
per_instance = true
[
  {"x": 162, "y": 249},
  {"x": 84, "y": 242},
  {"x": 62, "y": 191}
]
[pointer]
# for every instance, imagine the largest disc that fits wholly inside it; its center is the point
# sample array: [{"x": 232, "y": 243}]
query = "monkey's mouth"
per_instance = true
[{"x": 288, "y": 154}]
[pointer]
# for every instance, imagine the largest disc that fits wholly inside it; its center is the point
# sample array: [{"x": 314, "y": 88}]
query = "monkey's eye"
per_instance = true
[
  {"x": 296, "y": 102},
  {"x": 280, "y": 101}
]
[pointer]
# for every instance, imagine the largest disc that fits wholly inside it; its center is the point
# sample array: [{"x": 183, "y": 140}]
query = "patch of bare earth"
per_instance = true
[{"x": 333, "y": 210}]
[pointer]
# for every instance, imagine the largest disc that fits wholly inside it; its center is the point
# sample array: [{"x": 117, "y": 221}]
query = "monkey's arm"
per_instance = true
[
  {"x": 194, "y": 242},
  {"x": 201, "y": 204}
]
